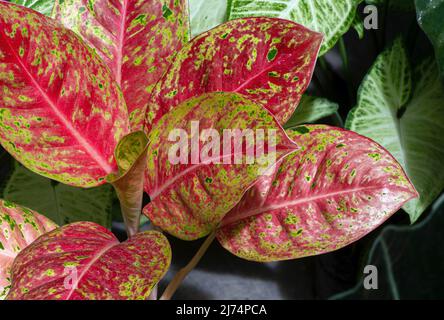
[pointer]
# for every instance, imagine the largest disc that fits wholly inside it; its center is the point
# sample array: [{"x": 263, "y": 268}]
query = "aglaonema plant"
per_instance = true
[{"x": 93, "y": 95}]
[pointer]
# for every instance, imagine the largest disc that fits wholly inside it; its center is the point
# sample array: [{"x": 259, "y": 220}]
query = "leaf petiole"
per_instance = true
[{"x": 180, "y": 276}]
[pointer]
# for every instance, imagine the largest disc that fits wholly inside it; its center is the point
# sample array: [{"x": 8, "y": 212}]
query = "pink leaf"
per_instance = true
[
  {"x": 61, "y": 112},
  {"x": 270, "y": 61},
  {"x": 136, "y": 39},
  {"x": 19, "y": 227},
  {"x": 84, "y": 261},
  {"x": 336, "y": 189},
  {"x": 189, "y": 198}
]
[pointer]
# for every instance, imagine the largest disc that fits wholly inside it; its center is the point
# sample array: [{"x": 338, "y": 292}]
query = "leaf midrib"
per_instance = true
[
  {"x": 74, "y": 132},
  {"x": 258, "y": 211},
  {"x": 96, "y": 257}
]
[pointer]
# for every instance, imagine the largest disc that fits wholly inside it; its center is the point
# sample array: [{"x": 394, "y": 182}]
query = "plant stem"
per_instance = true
[{"x": 180, "y": 276}]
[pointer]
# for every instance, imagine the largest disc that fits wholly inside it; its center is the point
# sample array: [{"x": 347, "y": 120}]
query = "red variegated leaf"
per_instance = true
[
  {"x": 19, "y": 227},
  {"x": 271, "y": 61},
  {"x": 84, "y": 261},
  {"x": 190, "y": 197},
  {"x": 137, "y": 40},
  {"x": 61, "y": 112},
  {"x": 336, "y": 189}
]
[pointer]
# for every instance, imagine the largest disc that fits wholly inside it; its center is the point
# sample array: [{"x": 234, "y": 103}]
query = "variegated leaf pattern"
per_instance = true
[
  {"x": 335, "y": 189},
  {"x": 310, "y": 110},
  {"x": 61, "y": 112},
  {"x": 43, "y": 6},
  {"x": 270, "y": 61},
  {"x": 84, "y": 261},
  {"x": 19, "y": 227},
  {"x": 407, "y": 118},
  {"x": 131, "y": 159},
  {"x": 190, "y": 197},
  {"x": 206, "y": 14},
  {"x": 137, "y": 40},
  {"x": 331, "y": 18}
]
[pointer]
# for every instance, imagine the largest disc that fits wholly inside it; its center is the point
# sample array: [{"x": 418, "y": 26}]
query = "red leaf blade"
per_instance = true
[
  {"x": 19, "y": 227},
  {"x": 336, "y": 189},
  {"x": 270, "y": 61},
  {"x": 189, "y": 199},
  {"x": 61, "y": 112},
  {"x": 136, "y": 39},
  {"x": 84, "y": 261}
]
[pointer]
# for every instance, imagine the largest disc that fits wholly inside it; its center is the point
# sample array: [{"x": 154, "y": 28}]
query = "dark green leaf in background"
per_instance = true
[
  {"x": 310, "y": 110},
  {"x": 61, "y": 203},
  {"x": 430, "y": 14}
]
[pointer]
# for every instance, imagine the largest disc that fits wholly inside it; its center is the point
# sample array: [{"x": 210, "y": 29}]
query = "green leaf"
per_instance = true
[
  {"x": 430, "y": 14},
  {"x": 332, "y": 18},
  {"x": 407, "y": 119},
  {"x": 358, "y": 25},
  {"x": 42, "y": 6},
  {"x": 61, "y": 203},
  {"x": 310, "y": 110},
  {"x": 207, "y": 14}
]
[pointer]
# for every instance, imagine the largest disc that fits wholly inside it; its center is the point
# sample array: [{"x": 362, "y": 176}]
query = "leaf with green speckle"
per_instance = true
[
  {"x": 270, "y": 61},
  {"x": 19, "y": 227},
  {"x": 136, "y": 39},
  {"x": 131, "y": 155},
  {"x": 400, "y": 5},
  {"x": 331, "y": 18},
  {"x": 61, "y": 113},
  {"x": 191, "y": 190},
  {"x": 335, "y": 189},
  {"x": 310, "y": 110},
  {"x": 85, "y": 261},
  {"x": 403, "y": 110},
  {"x": 61, "y": 203}
]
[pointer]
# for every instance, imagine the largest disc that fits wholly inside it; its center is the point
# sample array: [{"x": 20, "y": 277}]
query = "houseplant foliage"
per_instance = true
[
  {"x": 429, "y": 15},
  {"x": 91, "y": 96},
  {"x": 84, "y": 261},
  {"x": 19, "y": 228},
  {"x": 392, "y": 98}
]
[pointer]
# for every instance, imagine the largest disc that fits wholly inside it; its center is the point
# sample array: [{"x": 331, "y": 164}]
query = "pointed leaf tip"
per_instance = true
[{"x": 333, "y": 191}]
